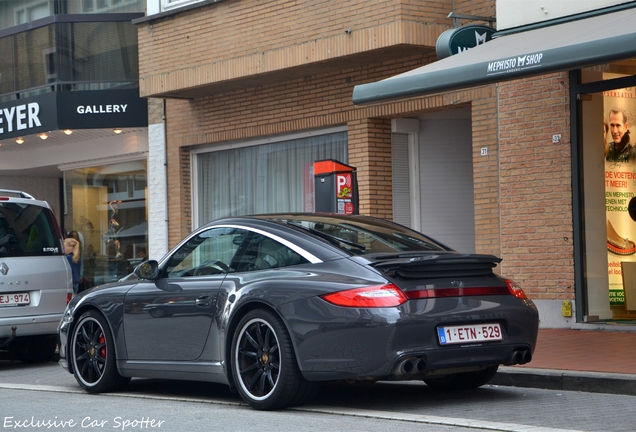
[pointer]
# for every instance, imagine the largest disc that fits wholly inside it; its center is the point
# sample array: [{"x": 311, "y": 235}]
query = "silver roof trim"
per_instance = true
[{"x": 302, "y": 252}]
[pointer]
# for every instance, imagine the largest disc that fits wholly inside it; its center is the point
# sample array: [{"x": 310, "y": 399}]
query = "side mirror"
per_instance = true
[{"x": 147, "y": 270}]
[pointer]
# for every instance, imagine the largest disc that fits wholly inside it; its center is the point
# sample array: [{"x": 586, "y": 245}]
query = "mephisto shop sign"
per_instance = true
[
  {"x": 514, "y": 64},
  {"x": 73, "y": 110}
]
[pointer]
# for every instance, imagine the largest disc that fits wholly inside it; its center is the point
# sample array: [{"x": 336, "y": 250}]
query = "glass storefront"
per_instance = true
[
  {"x": 16, "y": 12},
  {"x": 68, "y": 56},
  {"x": 108, "y": 207},
  {"x": 609, "y": 188}
]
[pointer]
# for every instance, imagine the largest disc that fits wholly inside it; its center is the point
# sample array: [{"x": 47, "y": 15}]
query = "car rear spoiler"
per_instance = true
[{"x": 434, "y": 265}]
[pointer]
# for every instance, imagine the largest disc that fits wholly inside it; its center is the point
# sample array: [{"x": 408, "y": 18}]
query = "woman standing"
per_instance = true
[{"x": 72, "y": 250}]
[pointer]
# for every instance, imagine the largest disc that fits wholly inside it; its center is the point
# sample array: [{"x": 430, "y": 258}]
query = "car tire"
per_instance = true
[
  {"x": 463, "y": 380},
  {"x": 264, "y": 366},
  {"x": 92, "y": 354},
  {"x": 36, "y": 349}
]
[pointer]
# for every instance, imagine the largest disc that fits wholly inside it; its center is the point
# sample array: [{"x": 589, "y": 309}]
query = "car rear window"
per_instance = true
[
  {"x": 28, "y": 230},
  {"x": 362, "y": 236}
]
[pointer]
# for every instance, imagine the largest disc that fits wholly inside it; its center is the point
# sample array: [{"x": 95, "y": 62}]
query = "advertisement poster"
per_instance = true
[
  {"x": 620, "y": 186},
  {"x": 344, "y": 193}
]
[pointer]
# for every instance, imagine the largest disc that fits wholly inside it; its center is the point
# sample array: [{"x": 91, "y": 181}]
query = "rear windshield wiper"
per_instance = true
[{"x": 342, "y": 243}]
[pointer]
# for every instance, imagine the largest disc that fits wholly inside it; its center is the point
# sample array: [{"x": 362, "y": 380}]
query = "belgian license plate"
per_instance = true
[
  {"x": 14, "y": 299},
  {"x": 469, "y": 333}
]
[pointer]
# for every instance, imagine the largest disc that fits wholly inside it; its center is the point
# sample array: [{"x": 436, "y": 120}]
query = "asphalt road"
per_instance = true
[{"x": 46, "y": 391}]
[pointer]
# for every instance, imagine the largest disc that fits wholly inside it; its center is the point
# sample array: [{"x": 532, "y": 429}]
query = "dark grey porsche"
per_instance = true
[{"x": 272, "y": 305}]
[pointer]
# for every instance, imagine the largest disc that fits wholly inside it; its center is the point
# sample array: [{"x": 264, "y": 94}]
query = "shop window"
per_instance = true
[
  {"x": 140, "y": 182},
  {"x": 108, "y": 208},
  {"x": 609, "y": 185},
  {"x": 262, "y": 177},
  {"x": 608, "y": 71}
]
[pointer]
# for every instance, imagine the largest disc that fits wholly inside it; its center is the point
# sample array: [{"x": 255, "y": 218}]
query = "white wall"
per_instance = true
[
  {"x": 157, "y": 193},
  {"x": 515, "y": 13}
]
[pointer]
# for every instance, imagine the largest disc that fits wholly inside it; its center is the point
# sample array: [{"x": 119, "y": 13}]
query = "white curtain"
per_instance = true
[{"x": 266, "y": 178}]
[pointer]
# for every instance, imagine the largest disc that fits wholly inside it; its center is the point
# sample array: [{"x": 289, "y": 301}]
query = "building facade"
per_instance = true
[
  {"x": 73, "y": 129},
  {"x": 249, "y": 94}
]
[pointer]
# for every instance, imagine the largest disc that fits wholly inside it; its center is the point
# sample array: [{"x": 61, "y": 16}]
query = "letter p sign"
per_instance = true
[{"x": 343, "y": 185}]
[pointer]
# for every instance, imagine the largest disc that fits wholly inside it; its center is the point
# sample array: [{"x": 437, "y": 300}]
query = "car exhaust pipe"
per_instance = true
[
  {"x": 519, "y": 356},
  {"x": 411, "y": 366},
  {"x": 527, "y": 356},
  {"x": 406, "y": 368}
]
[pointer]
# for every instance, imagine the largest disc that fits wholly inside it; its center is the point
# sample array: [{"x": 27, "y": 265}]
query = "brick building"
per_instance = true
[{"x": 245, "y": 95}]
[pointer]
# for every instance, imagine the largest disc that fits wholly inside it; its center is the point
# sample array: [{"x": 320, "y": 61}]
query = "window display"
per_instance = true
[
  {"x": 620, "y": 187},
  {"x": 609, "y": 182},
  {"x": 107, "y": 207}
]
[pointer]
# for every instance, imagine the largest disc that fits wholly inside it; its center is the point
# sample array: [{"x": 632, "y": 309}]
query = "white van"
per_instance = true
[{"x": 35, "y": 277}]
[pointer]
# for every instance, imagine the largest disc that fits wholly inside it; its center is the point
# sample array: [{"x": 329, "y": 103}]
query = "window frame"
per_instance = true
[{"x": 211, "y": 148}]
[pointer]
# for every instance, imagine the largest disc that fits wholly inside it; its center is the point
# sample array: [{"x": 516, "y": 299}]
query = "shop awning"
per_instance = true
[{"x": 570, "y": 45}]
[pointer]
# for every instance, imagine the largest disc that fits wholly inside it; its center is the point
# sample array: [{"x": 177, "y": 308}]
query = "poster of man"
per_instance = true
[
  {"x": 620, "y": 188},
  {"x": 619, "y": 149}
]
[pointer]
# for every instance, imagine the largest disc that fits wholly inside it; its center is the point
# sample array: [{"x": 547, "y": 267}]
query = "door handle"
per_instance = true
[{"x": 203, "y": 301}]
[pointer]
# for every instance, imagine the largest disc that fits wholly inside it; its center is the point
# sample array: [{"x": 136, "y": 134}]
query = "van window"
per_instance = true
[{"x": 28, "y": 230}]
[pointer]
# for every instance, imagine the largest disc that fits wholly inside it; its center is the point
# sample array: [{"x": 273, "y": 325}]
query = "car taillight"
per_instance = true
[
  {"x": 457, "y": 292},
  {"x": 515, "y": 289},
  {"x": 388, "y": 295},
  {"x": 68, "y": 298}
]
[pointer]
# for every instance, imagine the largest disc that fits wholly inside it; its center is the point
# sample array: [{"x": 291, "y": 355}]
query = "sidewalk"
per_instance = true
[{"x": 595, "y": 361}]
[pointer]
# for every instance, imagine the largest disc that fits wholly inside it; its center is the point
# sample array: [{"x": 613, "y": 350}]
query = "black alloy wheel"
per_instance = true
[
  {"x": 92, "y": 353},
  {"x": 264, "y": 366}
]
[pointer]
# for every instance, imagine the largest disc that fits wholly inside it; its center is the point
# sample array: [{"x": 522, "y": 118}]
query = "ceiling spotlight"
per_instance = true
[
  {"x": 68, "y": 131},
  {"x": 117, "y": 131},
  {"x": 43, "y": 136},
  {"x": 19, "y": 140}
]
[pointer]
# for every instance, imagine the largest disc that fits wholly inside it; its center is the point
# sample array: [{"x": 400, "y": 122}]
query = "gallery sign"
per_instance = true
[
  {"x": 102, "y": 109},
  {"x": 94, "y": 109},
  {"x": 457, "y": 40}
]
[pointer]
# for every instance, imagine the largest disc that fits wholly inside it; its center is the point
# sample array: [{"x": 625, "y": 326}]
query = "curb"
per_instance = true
[{"x": 551, "y": 379}]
